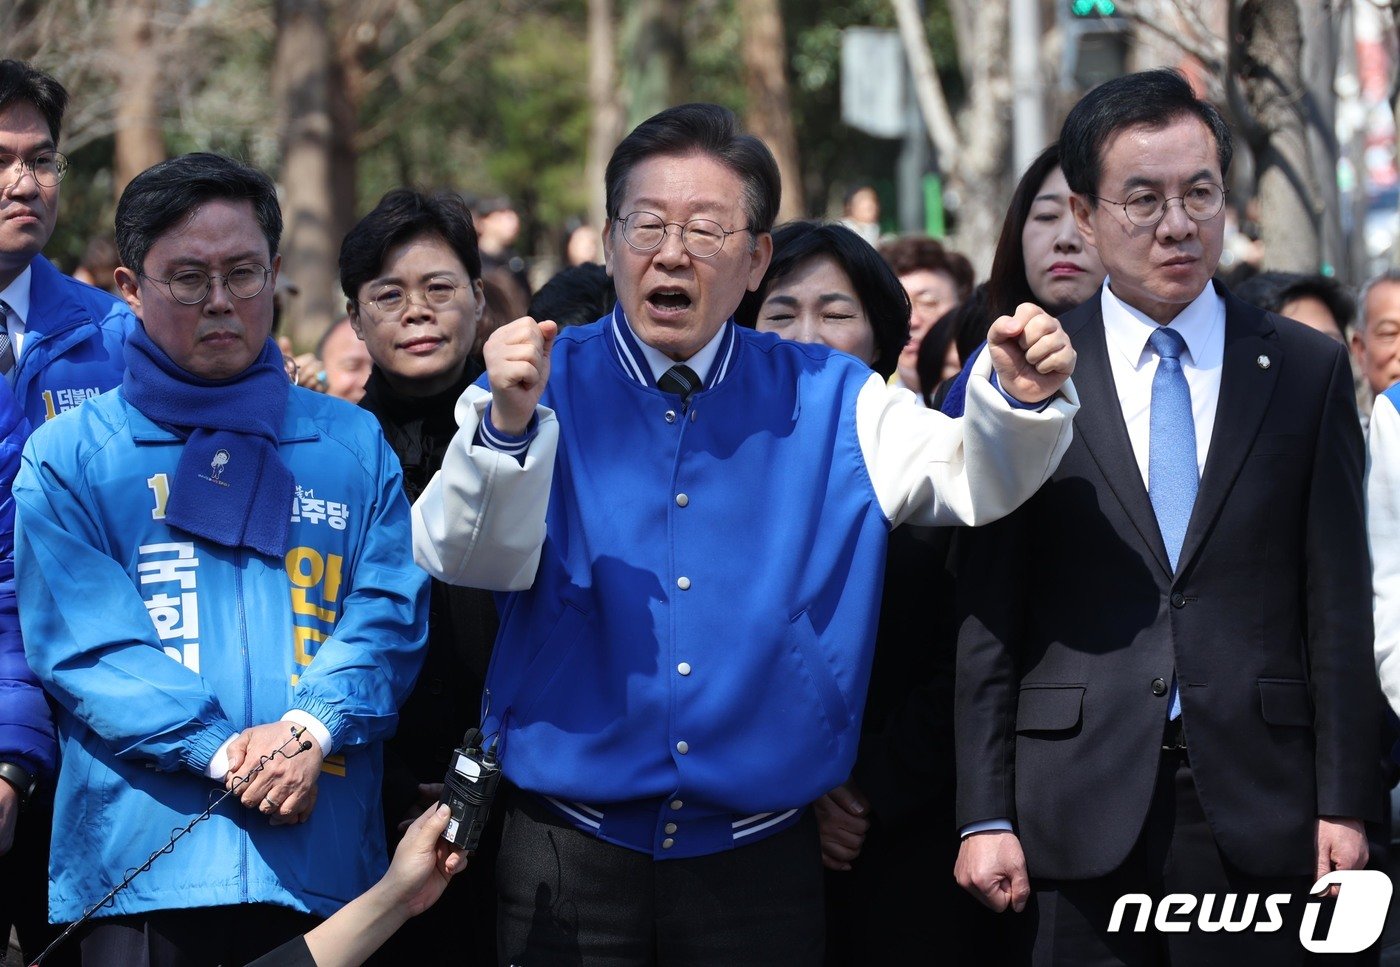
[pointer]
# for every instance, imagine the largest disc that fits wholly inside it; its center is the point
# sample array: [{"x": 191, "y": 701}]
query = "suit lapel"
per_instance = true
[
  {"x": 1246, "y": 387},
  {"x": 1099, "y": 424}
]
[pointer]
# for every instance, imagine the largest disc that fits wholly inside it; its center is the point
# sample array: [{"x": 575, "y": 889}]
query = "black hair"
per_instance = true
[
  {"x": 1272, "y": 291},
  {"x": 401, "y": 215},
  {"x": 884, "y": 300},
  {"x": 575, "y": 296},
  {"x": 1007, "y": 286},
  {"x": 164, "y": 194},
  {"x": 914, "y": 252},
  {"x": 1152, "y": 99},
  {"x": 700, "y": 129},
  {"x": 20, "y": 82}
]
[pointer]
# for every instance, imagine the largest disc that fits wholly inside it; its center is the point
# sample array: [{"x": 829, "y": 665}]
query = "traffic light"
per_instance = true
[
  {"x": 1093, "y": 8},
  {"x": 1095, "y": 42}
]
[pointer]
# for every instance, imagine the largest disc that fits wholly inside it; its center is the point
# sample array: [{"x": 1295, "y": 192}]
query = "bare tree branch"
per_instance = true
[
  {"x": 400, "y": 64},
  {"x": 1200, "y": 43}
]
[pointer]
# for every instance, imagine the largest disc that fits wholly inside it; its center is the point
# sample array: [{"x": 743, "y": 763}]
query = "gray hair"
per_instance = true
[{"x": 1391, "y": 275}]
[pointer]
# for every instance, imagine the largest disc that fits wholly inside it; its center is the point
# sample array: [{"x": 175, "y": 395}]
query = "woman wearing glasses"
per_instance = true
[{"x": 411, "y": 273}]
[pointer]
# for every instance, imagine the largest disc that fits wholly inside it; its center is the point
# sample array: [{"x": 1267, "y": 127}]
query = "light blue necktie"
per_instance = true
[{"x": 1171, "y": 452}]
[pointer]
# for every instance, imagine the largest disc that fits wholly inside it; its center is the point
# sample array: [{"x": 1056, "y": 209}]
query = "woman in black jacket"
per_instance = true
[{"x": 412, "y": 276}]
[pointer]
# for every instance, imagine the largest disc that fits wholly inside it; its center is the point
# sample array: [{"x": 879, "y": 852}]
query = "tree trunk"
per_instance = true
[
  {"x": 140, "y": 142},
  {"x": 655, "y": 60},
  {"x": 769, "y": 112},
  {"x": 605, "y": 123},
  {"x": 980, "y": 175},
  {"x": 1319, "y": 70},
  {"x": 301, "y": 78},
  {"x": 345, "y": 125},
  {"x": 1289, "y": 197}
]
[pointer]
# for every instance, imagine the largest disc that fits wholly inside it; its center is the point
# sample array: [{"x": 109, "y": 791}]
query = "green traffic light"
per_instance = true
[{"x": 1093, "y": 8}]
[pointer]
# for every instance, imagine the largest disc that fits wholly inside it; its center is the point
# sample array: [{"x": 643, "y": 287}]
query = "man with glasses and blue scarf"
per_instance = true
[
  {"x": 691, "y": 520},
  {"x": 214, "y": 574}
]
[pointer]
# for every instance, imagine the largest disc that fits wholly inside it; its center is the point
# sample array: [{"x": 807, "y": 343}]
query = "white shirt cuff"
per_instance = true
[
  {"x": 986, "y": 826},
  {"x": 313, "y": 725},
  {"x": 218, "y": 766}
]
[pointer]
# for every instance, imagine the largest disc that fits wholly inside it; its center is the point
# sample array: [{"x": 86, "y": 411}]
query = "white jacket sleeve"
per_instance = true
[
  {"x": 480, "y": 522},
  {"x": 928, "y": 468},
  {"x": 1383, "y": 531}
]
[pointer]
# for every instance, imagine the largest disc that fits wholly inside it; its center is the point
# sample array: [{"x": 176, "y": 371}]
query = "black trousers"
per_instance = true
[
  {"x": 24, "y": 890},
  {"x": 198, "y": 937},
  {"x": 567, "y": 898},
  {"x": 1176, "y": 853},
  {"x": 900, "y": 904}
]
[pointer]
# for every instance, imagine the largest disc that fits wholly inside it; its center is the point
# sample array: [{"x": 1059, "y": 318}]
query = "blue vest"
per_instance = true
[{"x": 696, "y": 646}]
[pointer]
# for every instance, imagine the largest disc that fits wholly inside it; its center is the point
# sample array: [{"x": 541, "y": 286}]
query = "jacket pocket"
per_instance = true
[
  {"x": 838, "y": 714},
  {"x": 1285, "y": 701},
  {"x": 545, "y": 666},
  {"x": 1049, "y": 708}
]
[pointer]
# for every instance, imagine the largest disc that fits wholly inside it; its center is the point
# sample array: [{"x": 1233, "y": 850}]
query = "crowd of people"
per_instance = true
[{"x": 825, "y": 606}]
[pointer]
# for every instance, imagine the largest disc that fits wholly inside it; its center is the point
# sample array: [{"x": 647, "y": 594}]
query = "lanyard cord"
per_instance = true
[{"x": 301, "y": 746}]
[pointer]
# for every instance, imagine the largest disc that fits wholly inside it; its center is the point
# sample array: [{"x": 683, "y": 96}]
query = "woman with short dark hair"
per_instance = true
[
  {"x": 411, "y": 274},
  {"x": 871, "y": 321}
]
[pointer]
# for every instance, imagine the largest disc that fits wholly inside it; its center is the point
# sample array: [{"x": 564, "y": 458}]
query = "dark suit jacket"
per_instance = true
[{"x": 1075, "y": 622}]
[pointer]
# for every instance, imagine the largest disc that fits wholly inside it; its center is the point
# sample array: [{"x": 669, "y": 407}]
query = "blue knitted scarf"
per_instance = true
[{"x": 231, "y": 486}]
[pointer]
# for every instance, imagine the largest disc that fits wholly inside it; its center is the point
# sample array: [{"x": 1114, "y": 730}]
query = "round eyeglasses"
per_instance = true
[
  {"x": 47, "y": 167},
  {"x": 701, "y": 237},
  {"x": 190, "y": 286},
  {"x": 394, "y": 299},
  {"x": 1145, "y": 208}
]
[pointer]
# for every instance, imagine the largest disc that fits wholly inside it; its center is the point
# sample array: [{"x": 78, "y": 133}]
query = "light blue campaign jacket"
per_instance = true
[{"x": 159, "y": 647}]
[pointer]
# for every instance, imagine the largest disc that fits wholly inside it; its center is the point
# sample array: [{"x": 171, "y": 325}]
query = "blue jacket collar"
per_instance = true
[
  {"x": 51, "y": 307},
  {"x": 628, "y": 351}
]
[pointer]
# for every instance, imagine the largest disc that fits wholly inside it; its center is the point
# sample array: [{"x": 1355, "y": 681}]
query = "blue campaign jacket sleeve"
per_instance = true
[
  {"x": 365, "y": 670},
  {"x": 26, "y": 727},
  {"x": 102, "y": 660}
]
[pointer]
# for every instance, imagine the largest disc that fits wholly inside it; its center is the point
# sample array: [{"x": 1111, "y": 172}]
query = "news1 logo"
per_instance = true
[{"x": 1363, "y": 896}]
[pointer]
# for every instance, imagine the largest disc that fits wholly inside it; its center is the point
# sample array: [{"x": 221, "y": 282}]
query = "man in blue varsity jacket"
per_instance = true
[
  {"x": 60, "y": 344},
  {"x": 691, "y": 520}
]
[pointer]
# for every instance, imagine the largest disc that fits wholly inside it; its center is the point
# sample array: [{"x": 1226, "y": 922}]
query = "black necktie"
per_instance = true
[
  {"x": 7, "y": 349},
  {"x": 681, "y": 380}
]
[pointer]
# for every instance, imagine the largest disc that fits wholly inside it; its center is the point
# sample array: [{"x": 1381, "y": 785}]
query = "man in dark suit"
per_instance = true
[{"x": 1183, "y": 702}]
